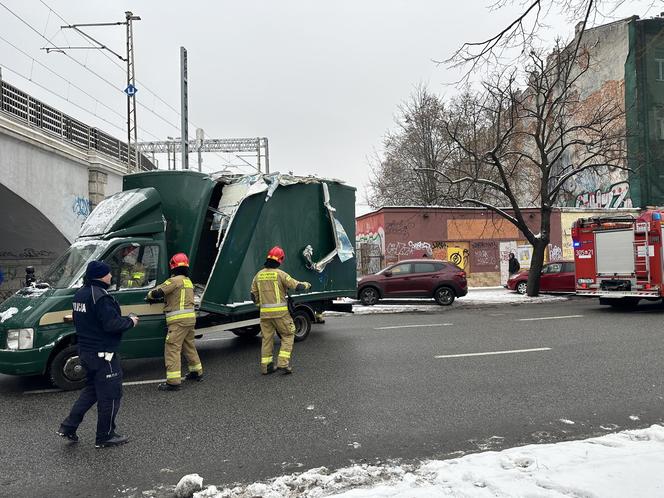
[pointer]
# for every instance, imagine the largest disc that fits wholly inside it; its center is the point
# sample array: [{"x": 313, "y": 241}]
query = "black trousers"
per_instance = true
[{"x": 103, "y": 385}]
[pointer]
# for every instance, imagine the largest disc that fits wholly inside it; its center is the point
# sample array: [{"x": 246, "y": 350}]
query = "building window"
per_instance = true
[{"x": 660, "y": 69}]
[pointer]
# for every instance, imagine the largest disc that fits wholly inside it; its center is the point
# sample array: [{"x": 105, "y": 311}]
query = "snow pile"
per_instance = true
[
  {"x": 6, "y": 315},
  {"x": 188, "y": 485},
  {"x": 627, "y": 463},
  {"x": 475, "y": 297}
]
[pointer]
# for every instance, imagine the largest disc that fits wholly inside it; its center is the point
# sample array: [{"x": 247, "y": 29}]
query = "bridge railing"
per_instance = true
[{"x": 23, "y": 107}]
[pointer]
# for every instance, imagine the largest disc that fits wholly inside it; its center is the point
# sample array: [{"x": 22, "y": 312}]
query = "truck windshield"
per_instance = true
[{"x": 70, "y": 266}]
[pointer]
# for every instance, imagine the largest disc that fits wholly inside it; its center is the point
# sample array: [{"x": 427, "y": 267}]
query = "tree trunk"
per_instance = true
[{"x": 536, "y": 264}]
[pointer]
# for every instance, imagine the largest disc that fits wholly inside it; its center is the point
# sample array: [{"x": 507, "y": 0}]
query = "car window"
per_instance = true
[
  {"x": 553, "y": 268},
  {"x": 440, "y": 266},
  {"x": 568, "y": 267},
  {"x": 401, "y": 269},
  {"x": 134, "y": 266},
  {"x": 424, "y": 268}
]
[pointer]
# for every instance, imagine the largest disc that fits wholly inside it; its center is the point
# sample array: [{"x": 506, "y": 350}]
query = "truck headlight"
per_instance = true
[{"x": 20, "y": 338}]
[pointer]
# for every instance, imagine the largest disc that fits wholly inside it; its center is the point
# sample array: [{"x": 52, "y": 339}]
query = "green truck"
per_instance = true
[{"x": 225, "y": 224}]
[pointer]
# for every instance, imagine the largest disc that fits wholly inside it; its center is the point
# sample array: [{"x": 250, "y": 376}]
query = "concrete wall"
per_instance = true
[{"x": 48, "y": 188}]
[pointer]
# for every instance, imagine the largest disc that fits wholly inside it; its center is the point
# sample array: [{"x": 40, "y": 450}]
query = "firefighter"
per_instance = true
[
  {"x": 132, "y": 271},
  {"x": 178, "y": 293},
  {"x": 268, "y": 291}
]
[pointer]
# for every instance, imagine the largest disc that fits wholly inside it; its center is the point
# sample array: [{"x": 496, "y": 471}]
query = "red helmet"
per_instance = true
[
  {"x": 276, "y": 253},
  {"x": 179, "y": 259}
]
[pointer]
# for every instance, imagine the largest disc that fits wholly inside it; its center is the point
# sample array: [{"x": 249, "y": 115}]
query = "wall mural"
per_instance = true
[{"x": 616, "y": 196}]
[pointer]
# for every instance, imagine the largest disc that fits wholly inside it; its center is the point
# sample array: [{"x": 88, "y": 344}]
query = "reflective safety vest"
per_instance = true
[
  {"x": 179, "y": 300},
  {"x": 132, "y": 276},
  {"x": 270, "y": 286}
]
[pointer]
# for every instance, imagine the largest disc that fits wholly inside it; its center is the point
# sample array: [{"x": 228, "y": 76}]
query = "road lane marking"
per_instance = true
[
  {"x": 131, "y": 383},
  {"x": 414, "y": 326},
  {"x": 492, "y": 353},
  {"x": 549, "y": 318}
]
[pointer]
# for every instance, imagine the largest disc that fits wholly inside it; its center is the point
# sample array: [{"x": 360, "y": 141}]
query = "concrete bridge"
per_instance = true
[{"x": 53, "y": 171}]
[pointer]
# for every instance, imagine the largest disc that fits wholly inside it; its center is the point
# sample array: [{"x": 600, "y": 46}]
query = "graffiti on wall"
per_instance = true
[
  {"x": 459, "y": 254},
  {"x": 81, "y": 207},
  {"x": 399, "y": 227},
  {"x": 616, "y": 196},
  {"x": 555, "y": 253},
  {"x": 484, "y": 255},
  {"x": 410, "y": 248}
]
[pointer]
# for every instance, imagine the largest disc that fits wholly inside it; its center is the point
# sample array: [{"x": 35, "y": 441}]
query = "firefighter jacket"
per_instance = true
[
  {"x": 133, "y": 276},
  {"x": 269, "y": 288},
  {"x": 178, "y": 294},
  {"x": 97, "y": 318}
]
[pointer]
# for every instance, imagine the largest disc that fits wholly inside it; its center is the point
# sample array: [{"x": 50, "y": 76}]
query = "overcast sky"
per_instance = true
[{"x": 321, "y": 80}]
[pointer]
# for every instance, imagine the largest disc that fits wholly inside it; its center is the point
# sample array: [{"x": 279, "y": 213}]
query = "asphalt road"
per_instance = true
[{"x": 366, "y": 389}]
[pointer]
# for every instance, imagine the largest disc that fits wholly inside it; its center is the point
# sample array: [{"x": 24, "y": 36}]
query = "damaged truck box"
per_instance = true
[{"x": 225, "y": 224}]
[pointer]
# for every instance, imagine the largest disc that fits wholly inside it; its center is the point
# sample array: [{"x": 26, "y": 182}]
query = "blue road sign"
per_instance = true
[{"x": 130, "y": 90}]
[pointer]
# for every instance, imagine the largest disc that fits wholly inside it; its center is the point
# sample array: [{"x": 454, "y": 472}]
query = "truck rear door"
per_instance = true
[{"x": 614, "y": 252}]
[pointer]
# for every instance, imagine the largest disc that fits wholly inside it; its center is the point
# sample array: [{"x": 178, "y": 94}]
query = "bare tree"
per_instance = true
[
  {"x": 542, "y": 134},
  {"x": 419, "y": 142},
  {"x": 524, "y": 31}
]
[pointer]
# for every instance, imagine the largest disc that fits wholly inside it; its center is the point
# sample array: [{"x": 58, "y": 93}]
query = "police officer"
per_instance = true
[
  {"x": 178, "y": 293},
  {"x": 99, "y": 328},
  {"x": 268, "y": 290}
]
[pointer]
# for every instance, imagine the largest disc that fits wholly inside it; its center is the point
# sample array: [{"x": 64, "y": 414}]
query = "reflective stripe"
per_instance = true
[
  {"x": 195, "y": 368},
  {"x": 274, "y": 305},
  {"x": 182, "y": 292},
  {"x": 182, "y": 316},
  {"x": 267, "y": 276},
  {"x": 187, "y": 284},
  {"x": 266, "y": 359},
  {"x": 167, "y": 282},
  {"x": 277, "y": 294},
  {"x": 272, "y": 310},
  {"x": 173, "y": 375},
  {"x": 180, "y": 312},
  {"x": 284, "y": 354}
]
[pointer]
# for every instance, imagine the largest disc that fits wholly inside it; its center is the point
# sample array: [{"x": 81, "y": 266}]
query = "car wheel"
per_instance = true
[
  {"x": 247, "y": 332},
  {"x": 522, "y": 287},
  {"x": 302, "y": 322},
  {"x": 444, "y": 296},
  {"x": 65, "y": 370},
  {"x": 369, "y": 296}
]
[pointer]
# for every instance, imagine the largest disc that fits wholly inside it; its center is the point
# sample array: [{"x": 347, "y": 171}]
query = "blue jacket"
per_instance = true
[{"x": 99, "y": 324}]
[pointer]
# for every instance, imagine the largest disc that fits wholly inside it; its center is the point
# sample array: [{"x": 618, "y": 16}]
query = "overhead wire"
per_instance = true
[{"x": 140, "y": 83}]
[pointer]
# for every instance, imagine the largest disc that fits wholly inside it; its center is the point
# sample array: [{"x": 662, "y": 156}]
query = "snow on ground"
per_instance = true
[
  {"x": 475, "y": 297},
  {"x": 623, "y": 464}
]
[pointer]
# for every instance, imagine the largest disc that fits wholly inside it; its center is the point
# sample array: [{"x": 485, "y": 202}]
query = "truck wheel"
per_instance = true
[
  {"x": 369, "y": 296},
  {"x": 247, "y": 332},
  {"x": 522, "y": 287},
  {"x": 444, "y": 296},
  {"x": 66, "y": 371},
  {"x": 302, "y": 322}
]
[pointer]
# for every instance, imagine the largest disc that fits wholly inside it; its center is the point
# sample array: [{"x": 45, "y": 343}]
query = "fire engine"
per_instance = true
[{"x": 619, "y": 258}]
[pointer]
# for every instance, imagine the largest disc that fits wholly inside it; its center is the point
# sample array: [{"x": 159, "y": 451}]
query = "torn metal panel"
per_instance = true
[{"x": 343, "y": 246}]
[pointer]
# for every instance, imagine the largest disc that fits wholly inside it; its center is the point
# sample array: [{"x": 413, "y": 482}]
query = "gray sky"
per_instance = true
[{"x": 321, "y": 80}]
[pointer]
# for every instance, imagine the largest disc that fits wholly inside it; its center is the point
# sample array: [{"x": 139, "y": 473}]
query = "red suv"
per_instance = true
[{"x": 441, "y": 280}]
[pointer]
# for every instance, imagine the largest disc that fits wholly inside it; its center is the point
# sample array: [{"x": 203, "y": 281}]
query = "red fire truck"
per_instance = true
[{"x": 619, "y": 258}]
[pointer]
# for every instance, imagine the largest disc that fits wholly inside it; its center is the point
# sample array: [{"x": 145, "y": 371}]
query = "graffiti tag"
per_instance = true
[
  {"x": 81, "y": 207},
  {"x": 616, "y": 196}
]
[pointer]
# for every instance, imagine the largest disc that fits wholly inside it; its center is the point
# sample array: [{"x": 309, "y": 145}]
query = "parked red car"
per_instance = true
[
  {"x": 440, "y": 280},
  {"x": 556, "y": 277}
]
